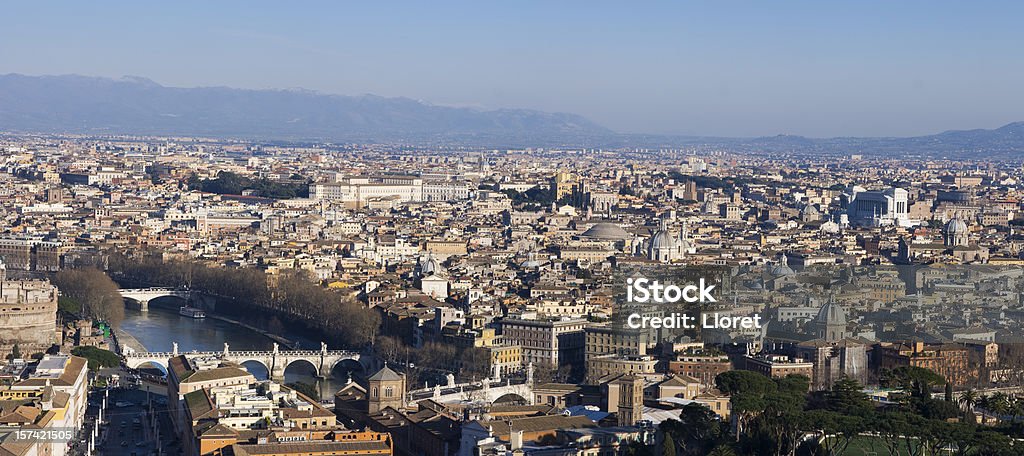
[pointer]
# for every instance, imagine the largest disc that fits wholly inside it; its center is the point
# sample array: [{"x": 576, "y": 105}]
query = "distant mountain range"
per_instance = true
[
  {"x": 1002, "y": 142},
  {"x": 132, "y": 105}
]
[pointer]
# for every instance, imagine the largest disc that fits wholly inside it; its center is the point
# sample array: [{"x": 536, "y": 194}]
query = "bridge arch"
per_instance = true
[
  {"x": 263, "y": 365},
  {"x": 353, "y": 365},
  {"x": 140, "y": 297},
  {"x": 152, "y": 364},
  {"x": 511, "y": 398},
  {"x": 298, "y": 361}
]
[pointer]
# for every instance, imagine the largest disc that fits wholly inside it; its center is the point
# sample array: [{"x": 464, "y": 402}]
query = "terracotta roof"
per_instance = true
[
  {"x": 218, "y": 373},
  {"x": 538, "y": 424}
]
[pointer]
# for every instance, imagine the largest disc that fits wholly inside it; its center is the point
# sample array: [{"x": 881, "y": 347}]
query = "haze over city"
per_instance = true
[{"x": 818, "y": 69}]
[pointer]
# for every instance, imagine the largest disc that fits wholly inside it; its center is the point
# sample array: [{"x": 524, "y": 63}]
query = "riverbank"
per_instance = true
[{"x": 124, "y": 339}]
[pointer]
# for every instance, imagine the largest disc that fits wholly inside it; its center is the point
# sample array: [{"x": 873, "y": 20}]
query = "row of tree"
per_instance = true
[
  {"x": 434, "y": 360},
  {"x": 249, "y": 294},
  {"x": 89, "y": 293}
]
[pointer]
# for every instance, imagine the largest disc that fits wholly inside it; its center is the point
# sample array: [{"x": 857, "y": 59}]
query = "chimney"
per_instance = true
[{"x": 517, "y": 440}]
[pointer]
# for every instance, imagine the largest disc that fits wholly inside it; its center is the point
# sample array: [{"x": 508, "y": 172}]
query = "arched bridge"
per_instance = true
[
  {"x": 487, "y": 391},
  {"x": 143, "y": 295},
  {"x": 275, "y": 361}
]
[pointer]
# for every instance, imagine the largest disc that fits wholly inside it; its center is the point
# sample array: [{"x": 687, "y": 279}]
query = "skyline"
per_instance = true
[{"x": 871, "y": 69}]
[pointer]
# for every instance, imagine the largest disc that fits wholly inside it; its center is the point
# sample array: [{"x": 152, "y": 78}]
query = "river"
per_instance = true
[{"x": 158, "y": 328}]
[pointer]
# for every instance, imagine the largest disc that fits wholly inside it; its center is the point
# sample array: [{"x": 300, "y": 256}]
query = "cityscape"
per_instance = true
[
  {"x": 386, "y": 299},
  {"x": 511, "y": 230}
]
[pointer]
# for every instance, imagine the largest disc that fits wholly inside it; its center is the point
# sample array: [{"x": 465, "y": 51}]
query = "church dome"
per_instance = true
[
  {"x": 832, "y": 314},
  {"x": 782, "y": 269},
  {"x": 606, "y": 232},
  {"x": 429, "y": 265},
  {"x": 956, "y": 227},
  {"x": 662, "y": 240}
]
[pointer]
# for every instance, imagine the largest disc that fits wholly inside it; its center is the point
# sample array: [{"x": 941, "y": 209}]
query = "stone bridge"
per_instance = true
[
  {"x": 142, "y": 296},
  {"x": 275, "y": 361},
  {"x": 487, "y": 391}
]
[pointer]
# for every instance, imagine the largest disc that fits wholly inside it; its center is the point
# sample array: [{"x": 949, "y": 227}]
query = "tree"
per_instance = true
[
  {"x": 891, "y": 427},
  {"x": 835, "y": 430},
  {"x": 968, "y": 399},
  {"x": 847, "y": 396},
  {"x": 388, "y": 348},
  {"x": 97, "y": 295},
  {"x": 68, "y": 305},
  {"x": 696, "y": 431},
  {"x": 668, "y": 447},
  {"x": 722, "y": 450},
  {"x": 917, "y": 380},
  {"x": 747, "y": 391},
  {"x": 998, "y": 403},
  {"x": 934, "y": 408},
  {"x": 97, "y": 357},
  {"x": 15, "y": 352},
  {"x": 474, "y": 362}
]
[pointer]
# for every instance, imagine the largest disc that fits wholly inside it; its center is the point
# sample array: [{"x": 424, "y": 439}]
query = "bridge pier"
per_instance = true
[
  {"x": 277, "y": 373},
  {"x": 144, "y": 305}
]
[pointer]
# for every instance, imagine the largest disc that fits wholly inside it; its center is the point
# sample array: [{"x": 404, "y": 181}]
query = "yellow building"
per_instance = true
[{"x": 562, "y": 185}]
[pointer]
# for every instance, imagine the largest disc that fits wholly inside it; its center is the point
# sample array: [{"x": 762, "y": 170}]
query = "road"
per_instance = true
[{"x": 130, "y": 430}]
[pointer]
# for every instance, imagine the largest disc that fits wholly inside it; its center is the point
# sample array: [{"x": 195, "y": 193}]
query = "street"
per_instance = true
[{"x": 135, "y": 423}]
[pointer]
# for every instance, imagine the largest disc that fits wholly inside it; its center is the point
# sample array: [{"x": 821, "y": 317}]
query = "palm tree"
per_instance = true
[
  {"x": 985, "y": 406},
  {"x": 968, "y": 399},
  {"x": 999, "y": 403},
  {"x": 1016, "y": 408}
]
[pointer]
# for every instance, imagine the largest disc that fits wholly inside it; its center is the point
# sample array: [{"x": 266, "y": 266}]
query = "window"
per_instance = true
[{"x": 388, "y": 391}]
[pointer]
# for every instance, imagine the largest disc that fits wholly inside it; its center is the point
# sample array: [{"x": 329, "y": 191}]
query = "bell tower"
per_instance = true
[{"x": 386, "y": 388}]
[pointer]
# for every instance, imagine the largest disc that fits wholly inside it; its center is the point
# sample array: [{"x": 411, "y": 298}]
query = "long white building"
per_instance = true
[
  {"x": 358, "y": 190},
  {"x": 886, "y": 207}
]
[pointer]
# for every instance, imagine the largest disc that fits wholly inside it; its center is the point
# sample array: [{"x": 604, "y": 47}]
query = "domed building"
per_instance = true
[
  {"x": 427, "y": 266},
  {"x": 830, "y": 324},
  {"x": 605, "y": 231},
  {"x": 665, "y": 248},
  {"x": 809, "y": 214},
  {"x": 782, "y": 269},
  {"x": 955, "y": 233}
]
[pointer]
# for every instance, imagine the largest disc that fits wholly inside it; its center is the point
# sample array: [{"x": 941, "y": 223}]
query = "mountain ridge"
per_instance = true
[{"x": 138, "y": 105}]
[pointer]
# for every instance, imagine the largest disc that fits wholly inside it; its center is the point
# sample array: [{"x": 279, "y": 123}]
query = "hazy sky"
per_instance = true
[{"x": 736, "y": 68}]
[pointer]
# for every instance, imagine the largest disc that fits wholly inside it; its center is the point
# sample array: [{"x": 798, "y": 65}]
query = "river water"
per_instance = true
[{"x": 158, "y": 328}]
